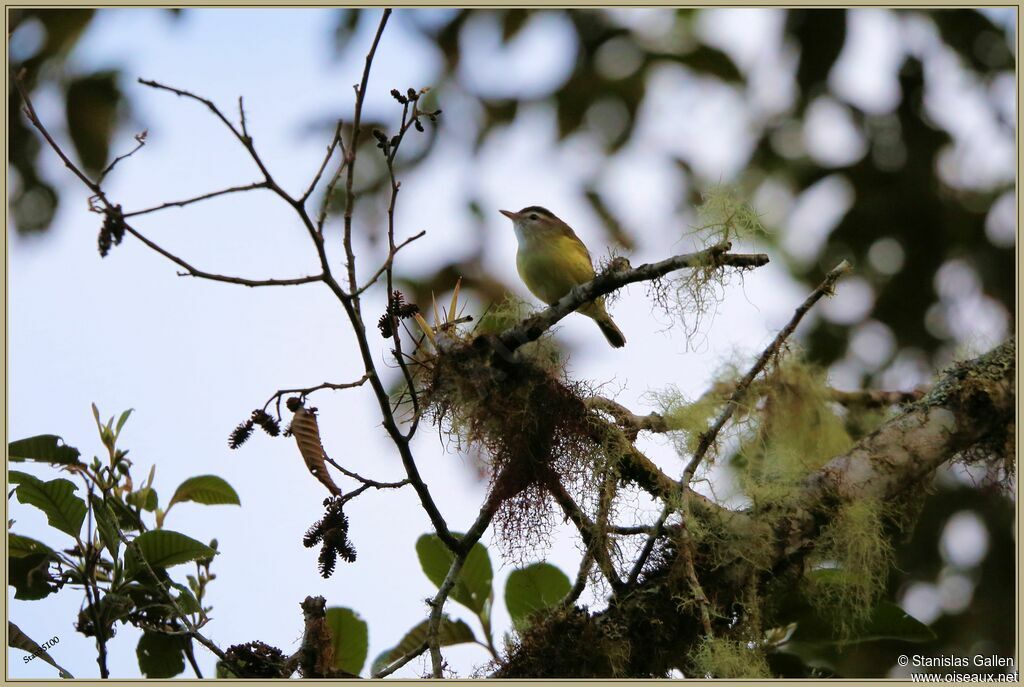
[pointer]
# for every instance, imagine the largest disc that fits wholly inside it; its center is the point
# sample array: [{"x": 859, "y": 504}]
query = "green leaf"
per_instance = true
[
  {"x": 145, "y": 498},
  {"x": 887, "y": 621},
  {"x": 19, "y": 640},
  {"x": 186, "y": 600},
  {"x": 19, "y": 546},
  {"x": 473, "y": 587},
  {"x": 160, "y": 655},
  {"x": 209, "y": 490},
  {"x": 30, "y": 576},
  {"x": 105, "y": 523},
  {"x": 45, "y": 448},
  {"x": 18, "y": 477},
  {"x": 450, "y": 632},
  {"x": 92, "y": 102},
  {"x": 534, "y": 588},
  {"x": 350, "y": 637},
  {"x": 164, "y": 548},
  {"x": 123, "y": 419},
  {"x": 57, "y": 499},
  {"x": 125, "y": 516}
]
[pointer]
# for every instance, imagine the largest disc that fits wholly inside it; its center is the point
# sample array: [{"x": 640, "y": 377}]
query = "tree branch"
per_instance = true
[
  {"x": 708, "y": 437},
  {"x": 189, "y": 201},
  {"x": 610, "y": 280}
]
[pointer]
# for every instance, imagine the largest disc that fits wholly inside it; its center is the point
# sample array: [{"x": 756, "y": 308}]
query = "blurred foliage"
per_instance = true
[{"x": 901, "y": 199}]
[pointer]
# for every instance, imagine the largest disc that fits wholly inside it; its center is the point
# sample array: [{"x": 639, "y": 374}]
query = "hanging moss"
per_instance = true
[
  {"x": 799, "y": 431},
  {"x": 729, "y": 659},
  {"x": 859, "y": 556}
]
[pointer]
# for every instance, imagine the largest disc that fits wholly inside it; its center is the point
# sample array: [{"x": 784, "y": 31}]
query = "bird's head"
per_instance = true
[{"x": 536, "y": 222}]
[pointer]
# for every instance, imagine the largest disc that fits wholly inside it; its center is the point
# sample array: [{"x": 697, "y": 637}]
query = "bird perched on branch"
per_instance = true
[{"x": 552, "y": 259}]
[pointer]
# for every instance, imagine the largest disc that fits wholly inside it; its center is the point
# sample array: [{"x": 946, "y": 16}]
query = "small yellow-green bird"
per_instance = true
[{"x": 552, "y": 259}]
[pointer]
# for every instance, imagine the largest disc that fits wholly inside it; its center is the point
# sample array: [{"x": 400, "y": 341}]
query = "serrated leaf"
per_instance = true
[
  {"x": 44, "y": 448},
  {"x": 450, "y": 632},
  {"x": 164, "y": 548},
  {"x": 145, "y": 498},
  {"x": 57, "y": 499},
  {"x": 160, "y": 655},
  {"x": 532, "y": 589},
  {"x": 19, "y": 640},
  {"x": 473, "y": 587},
  {"x": 350, "y": 637},
  {"x": 19, "y": 546},
  {"x": 209, "y": 490}
]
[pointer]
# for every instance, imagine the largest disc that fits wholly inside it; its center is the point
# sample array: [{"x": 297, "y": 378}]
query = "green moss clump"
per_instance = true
[
  {"x": 724, "y": 216},
  {"x": 798, "y": 432},
  {"x": 856, "y": 544},
  {"x": 544, "y": 352},
  {"x": 728, "y": 659}
]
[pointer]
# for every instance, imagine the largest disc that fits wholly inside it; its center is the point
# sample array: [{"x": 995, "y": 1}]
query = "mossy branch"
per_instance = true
[
  {"x": 615, "y": 278},
  {"x": 972, "y": 405}
]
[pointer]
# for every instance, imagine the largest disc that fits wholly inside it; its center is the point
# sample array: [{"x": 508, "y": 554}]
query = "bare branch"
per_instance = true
[
  {"x": 335, "y": 141},
  {"x": 242, "y": 136},
  {"x": 191, "y": 271},
  {"x": 189, "y": 201},
  {"x": 387, "y": 263},
  {"x": 33, "y": 118},
  {"x": 140, "y": 140},
  {"x": 351, "y": 153},
  {"x": 306, "y": 391}
]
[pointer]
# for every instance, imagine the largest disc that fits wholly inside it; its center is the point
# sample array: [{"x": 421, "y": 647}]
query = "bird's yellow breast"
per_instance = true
[{"x": 552, "y": 265}]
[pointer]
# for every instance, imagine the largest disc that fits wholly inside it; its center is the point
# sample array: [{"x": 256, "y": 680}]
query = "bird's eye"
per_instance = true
[{"x": 533, "y": 216}]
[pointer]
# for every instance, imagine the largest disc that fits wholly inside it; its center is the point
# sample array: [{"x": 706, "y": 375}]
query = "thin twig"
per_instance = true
[
  {"x": 588, "y": 532},
  {"x": 708, "y": 438},
  {"x": 387, "y": 263},
  {"x": 33, "y": 118},
  {"x": 306, "y": 391},
  {"x": 335, "y": 141},
  {"x": 351, "y": 153},
  {"x": 191, "y": 271},
  {"x": 189, "y": 201},
  {"x": 396, "y": 336},
  {"x": 140, "y": 140},
  {"x": 369, "y": 483}
]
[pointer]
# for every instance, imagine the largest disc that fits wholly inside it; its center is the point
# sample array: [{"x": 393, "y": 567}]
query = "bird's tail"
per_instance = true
[{"x": 611, "y": 332}]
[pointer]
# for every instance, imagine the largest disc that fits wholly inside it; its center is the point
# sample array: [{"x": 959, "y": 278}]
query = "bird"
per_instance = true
[{"x": 551, "y": 260}]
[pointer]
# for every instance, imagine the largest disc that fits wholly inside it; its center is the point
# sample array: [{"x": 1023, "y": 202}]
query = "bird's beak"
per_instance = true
[{"x": 511, "y": 215}]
